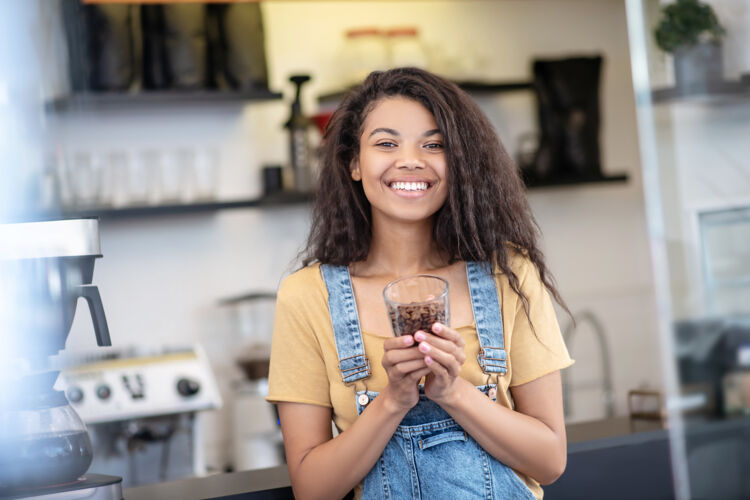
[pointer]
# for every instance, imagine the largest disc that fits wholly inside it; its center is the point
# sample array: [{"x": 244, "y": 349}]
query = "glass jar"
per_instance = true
[
  {"x": 405, "y": 48},
  {"x": 365, "y": 51}
]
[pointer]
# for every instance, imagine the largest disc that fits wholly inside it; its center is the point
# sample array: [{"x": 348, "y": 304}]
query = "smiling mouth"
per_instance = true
[{"x": 409, "y": 186}]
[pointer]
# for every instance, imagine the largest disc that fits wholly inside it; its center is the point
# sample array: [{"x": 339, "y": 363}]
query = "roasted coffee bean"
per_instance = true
[{"x": 408, "y": 319}]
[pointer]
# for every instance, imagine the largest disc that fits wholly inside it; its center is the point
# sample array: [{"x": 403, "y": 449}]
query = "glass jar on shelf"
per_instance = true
[
  {"x": 405, "y": 47},
  {"x": 365, "y": 51}
]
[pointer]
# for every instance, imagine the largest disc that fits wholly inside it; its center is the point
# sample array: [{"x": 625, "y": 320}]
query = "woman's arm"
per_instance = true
[
  {"x": 322, "y": 467},
  {"x": 530, "y": 439}
]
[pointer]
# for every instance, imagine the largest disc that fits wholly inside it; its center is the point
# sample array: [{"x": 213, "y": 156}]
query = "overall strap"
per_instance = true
[
  {"x": 487, "y": 316},
  {"x": 353, "y": 363}
]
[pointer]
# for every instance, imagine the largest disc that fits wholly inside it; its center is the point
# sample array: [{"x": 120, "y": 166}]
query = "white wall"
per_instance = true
[{"x": 160, "y": 277}]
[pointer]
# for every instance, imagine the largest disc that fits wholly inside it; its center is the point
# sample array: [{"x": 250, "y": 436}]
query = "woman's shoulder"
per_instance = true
[
  {"x": 302, "y": 283},
  {"x": 518, "y": 260}
]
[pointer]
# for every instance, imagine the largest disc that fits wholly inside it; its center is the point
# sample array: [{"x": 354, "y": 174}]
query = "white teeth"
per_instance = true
[{"x": 409, "y": 186}]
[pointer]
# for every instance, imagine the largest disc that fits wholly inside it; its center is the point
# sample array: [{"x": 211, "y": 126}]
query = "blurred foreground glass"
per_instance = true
[
  {"x": 696, "y": 180},
  {"x": 416, "y": 302}
]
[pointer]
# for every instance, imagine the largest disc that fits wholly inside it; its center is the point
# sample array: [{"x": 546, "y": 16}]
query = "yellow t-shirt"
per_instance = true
[{"x": 304, "y": 362}]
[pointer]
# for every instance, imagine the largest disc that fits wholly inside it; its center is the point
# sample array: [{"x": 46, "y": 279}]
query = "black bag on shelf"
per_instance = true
[
  {"x": 185, "y": 45},
  {"x": 567, "y": 93},
  {"x": 242, "y": 46},
  {"x": 153, "y": 52},
  {"x": 120, "y": 47},
  {"x": 101, "y": 46}
]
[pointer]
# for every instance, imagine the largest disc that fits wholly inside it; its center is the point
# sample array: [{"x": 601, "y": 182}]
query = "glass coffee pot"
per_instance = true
[{"x": 45, "y": 442}]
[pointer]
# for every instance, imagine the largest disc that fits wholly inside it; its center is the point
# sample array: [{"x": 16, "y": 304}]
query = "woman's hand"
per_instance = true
[
  {"x": 405, "y": 366},
  {"x": 443, "y": 352}
]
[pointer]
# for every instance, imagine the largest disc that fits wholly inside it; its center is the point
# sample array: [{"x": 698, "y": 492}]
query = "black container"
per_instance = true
[
  {"x": 567, "y": 92},
  {"x": 273, "y": 179}
]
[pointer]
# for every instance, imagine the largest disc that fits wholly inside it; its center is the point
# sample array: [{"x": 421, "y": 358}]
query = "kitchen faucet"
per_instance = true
[{"x": 606, "y": 381}]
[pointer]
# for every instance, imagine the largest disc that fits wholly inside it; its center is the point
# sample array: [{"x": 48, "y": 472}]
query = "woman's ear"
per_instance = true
[{"x": 356, "y": 174}]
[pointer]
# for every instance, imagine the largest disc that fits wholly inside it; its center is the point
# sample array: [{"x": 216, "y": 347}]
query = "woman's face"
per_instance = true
[{"x": 402, "y": 161}]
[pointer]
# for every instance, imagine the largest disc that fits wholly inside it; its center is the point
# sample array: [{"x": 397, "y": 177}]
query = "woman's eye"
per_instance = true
[
  {"x": 387, "y": 144},
  {"x": 434, "y": 145}
]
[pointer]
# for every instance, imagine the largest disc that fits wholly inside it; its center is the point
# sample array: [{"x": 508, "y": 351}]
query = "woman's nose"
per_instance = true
[
  {"x": 410, "y": 164},
  {"x": 410, "y": 160}
]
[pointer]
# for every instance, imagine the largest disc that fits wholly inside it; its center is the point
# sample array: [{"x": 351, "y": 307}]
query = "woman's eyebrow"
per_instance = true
[
  {"x": 396, "y": 133},
  {"x": 386, "y": 130}
]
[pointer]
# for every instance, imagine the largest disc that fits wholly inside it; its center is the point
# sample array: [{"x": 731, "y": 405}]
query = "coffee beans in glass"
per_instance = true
[{"x": 416, "y": 302}]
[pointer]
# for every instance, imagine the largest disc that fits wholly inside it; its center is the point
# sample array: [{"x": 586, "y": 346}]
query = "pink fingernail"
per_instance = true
[
  {"x": 407, "y": 339},
  {"x": 427, "y": 360},
  {"x": 419, "y": 336},
  {"x": 424, "y": 347},
  {"x": 437, "y": 327}
]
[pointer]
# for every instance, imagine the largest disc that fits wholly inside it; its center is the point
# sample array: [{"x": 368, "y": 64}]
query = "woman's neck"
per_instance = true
[{"x": 400, "y": 249}]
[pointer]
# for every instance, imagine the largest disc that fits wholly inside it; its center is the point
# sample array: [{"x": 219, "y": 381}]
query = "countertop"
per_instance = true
[
  {"x": 610, "y": 431},
  {"x": 264, "y": 484},
  {"x": 629, "y": 454}
]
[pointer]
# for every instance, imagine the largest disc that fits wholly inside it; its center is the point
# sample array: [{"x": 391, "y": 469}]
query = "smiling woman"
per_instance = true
[
  {"x": 415, "y": 181},
  {"x": 401, "y": 162}
]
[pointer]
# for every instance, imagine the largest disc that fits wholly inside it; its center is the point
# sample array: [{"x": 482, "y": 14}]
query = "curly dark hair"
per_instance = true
[{"x": 486, "y": 209}]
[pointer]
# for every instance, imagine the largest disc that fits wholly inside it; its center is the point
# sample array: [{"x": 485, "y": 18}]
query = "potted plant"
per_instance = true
[{"x": 691, "y": 32}]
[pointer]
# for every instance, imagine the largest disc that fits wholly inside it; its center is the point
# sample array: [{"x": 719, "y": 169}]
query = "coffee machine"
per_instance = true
[{"x": 45, "y": 449}]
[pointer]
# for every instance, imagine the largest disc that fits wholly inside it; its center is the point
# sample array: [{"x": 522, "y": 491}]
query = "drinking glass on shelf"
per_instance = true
[
  {"x": 64, "y": 177},
  {"x": 85, "y": 179},
  {"x": 106, "y": 179},
  {"x": 118, "y": 174},
  {"x": 144, "y": 179},
  {"x": 175, "y": 176},
  {"x": 206, "y": 173},
  {"x": 185, "y": 162}
]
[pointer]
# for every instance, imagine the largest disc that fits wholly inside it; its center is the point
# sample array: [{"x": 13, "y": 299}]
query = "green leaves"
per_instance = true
[{"x": 685, "y": 23}]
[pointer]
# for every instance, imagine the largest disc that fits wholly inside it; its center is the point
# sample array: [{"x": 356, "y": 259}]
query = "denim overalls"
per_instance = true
[{"x": 429, "y": 456}]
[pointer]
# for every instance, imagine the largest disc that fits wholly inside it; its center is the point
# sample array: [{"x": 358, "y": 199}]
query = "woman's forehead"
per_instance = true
[{"x": 398, "y": 113}]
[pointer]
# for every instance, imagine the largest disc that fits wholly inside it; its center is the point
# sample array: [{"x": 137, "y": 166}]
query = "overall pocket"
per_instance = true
[{"x": 441, "y": 438}]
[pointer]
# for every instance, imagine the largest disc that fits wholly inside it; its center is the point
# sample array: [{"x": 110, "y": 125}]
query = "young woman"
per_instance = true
[{"x": 415, "y": 181}]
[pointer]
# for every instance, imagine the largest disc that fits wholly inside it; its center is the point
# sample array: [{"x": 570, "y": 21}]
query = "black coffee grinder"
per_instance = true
[
  {"x": 45, "y": 450},
  {"x": 300, "y": 149}
]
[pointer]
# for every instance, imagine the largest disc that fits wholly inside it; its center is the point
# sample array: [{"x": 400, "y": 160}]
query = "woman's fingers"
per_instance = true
[
  {"x": 398, "y": 342},
  {"x": 445, "y": 337},
  {"x": 446, "y": 346},
  {"x": 446, "y": 360},
  {"x": 394, "y": 356},
  {"x": 448, "y": 333},
  {"x": 406, "y": 368},
  {"x": 417, "y": 375},
  {"x": 438, "y": 369}
]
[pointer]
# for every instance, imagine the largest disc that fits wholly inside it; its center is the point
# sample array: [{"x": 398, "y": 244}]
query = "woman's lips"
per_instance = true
[
  {"x": 409, "y": 185},
  {"x": 410, "y": 189}
]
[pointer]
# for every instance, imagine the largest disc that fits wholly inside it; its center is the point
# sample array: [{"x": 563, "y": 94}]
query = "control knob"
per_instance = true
[
  {"x": 103, "y": 391},
  {"x": 75, "y": 394},
  {"x": 188, "y": 387}
]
